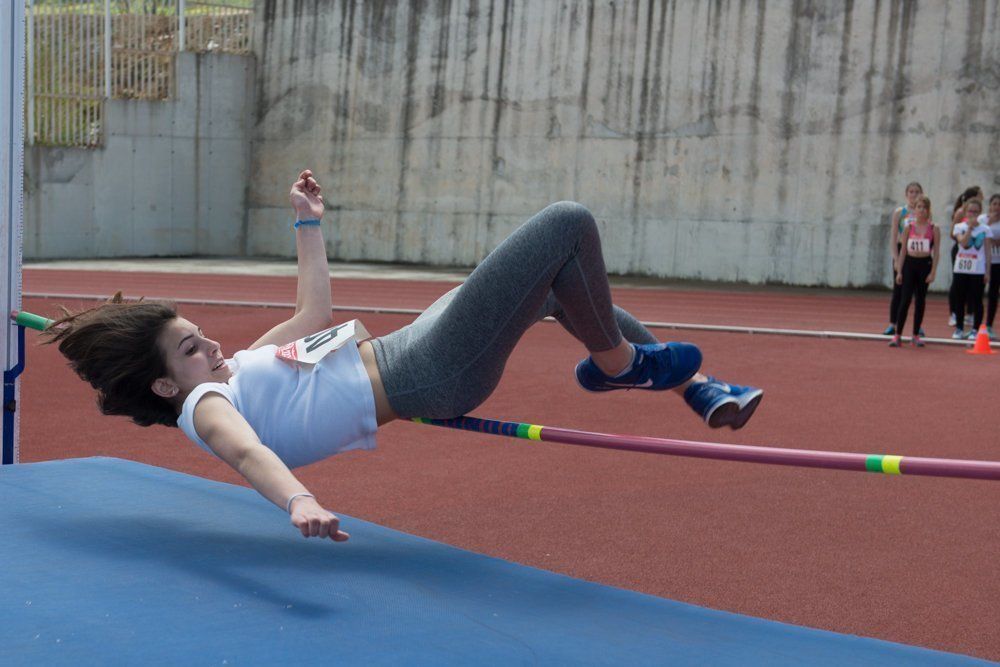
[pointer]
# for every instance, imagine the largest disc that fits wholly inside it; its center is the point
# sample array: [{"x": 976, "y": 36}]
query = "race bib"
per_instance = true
[
  {"x": 311, "y": 349},
  {"x": 918, "y": 246},
  {"x": 966, "y": 261}
]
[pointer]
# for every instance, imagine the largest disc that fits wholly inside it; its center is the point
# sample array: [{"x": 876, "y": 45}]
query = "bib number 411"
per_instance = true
[{"x": 312, "y": 348}]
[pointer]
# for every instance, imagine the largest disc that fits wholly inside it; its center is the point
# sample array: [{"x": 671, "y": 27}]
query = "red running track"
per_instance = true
[{"x": 906, "y": 559}]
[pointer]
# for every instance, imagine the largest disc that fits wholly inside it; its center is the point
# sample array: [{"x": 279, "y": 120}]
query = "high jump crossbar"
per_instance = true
[
  {"x": 881, "y": 463},
  {"x": 888, "y": 464}
]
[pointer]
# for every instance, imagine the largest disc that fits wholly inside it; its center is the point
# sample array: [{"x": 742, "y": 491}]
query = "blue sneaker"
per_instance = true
[
  {"x": 721, "y": 404},
  {"x": 656, "y": 367},
  {"x": 889, "y": 330}
]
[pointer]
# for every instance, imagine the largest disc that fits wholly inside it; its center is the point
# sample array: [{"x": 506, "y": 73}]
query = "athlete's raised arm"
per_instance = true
[{"x": 313, "y": 300}]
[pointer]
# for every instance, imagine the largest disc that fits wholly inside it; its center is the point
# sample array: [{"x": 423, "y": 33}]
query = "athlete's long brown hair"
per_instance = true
[{"x": 114, "y": 348}]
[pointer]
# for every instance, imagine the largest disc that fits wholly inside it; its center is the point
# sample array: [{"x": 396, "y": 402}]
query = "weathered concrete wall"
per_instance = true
[
  {"x": 170, "y": 179},
  {"x": 730, "y": 140}
]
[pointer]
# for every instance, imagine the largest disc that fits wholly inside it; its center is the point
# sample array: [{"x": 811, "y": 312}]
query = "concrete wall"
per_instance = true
[
  {"x": 170, "y": 179},
  {"x": 757, "y": 141}
]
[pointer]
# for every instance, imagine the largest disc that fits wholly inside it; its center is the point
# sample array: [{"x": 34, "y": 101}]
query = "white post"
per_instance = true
[
  {"x": 181, "y": 5},
  {"x": 29, "y": 85},
  {"x": 11, "y": 207},
  {"x": 107, "y": 49}
]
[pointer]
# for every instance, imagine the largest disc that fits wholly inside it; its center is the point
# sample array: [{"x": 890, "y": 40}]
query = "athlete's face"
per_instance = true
[
  {"x": 912, "y": 193},
  {"x": 973, "y": 209},
  {"x": 995, "y": 208},
  {"x": 191, "y": 359},
  {"x": 922, "y": 213}
]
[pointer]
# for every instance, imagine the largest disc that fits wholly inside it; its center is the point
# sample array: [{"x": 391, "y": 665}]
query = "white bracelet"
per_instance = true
[{"x": 288, "y": 507}]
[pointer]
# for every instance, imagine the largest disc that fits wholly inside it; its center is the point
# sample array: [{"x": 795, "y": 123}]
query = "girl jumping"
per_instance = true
[{"x": 264, "y": 412}]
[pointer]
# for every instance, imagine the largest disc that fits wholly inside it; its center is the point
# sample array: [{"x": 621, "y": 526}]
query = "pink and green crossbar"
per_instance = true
[{"x": 880, "y": 463}]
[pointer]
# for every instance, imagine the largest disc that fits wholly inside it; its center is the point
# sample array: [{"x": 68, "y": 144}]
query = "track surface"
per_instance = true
[{"x": 911, "y": 560}]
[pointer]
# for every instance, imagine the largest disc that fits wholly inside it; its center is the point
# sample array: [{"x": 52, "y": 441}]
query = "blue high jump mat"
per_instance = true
[{"x": 104, "y": 561}]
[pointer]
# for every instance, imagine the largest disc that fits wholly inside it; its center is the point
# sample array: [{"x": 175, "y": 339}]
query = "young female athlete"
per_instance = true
[
  {"x": 918, "y": 258},
  {"x": 992, "y": 218},
  {"x": 958, "y": 215},
  {"x": 970, "y": 271},
  {"x": 899, "y": 220},
  {"x": 264, "y": 414}
]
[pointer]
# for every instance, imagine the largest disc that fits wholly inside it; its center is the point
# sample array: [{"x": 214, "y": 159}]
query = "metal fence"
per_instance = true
[{"x": 82, "y": 52}]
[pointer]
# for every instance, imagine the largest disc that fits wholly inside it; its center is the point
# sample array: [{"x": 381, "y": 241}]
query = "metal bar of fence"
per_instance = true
[
  {"x": 130, "y": 64},
  {"x": 181, "y": 28},
  {"x": 29, "y": 96},
  {"x": 107, "y": 49},
  {"x": 78, "y": 58},
  {"x": 65, "y": 76},
  {"x": 78, "y": 78},
  {"x": 60, "y": 44}
]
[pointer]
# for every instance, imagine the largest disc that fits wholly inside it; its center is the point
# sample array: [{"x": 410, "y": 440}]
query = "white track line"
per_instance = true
[{"x": 687, "y": 326}]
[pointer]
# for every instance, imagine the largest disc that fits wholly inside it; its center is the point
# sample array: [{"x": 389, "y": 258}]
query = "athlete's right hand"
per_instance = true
[
  {"x": 314, "y": 521},
  {"x": 899, "y": 278}
]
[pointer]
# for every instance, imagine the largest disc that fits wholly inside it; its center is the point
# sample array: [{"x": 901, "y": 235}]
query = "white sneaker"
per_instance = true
[
  {"x": 951, "y": 319},
  {"x": 958, "y": 335}
]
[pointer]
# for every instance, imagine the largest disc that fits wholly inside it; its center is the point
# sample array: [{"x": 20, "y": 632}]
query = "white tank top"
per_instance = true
[{"x": 303, "y": 414}]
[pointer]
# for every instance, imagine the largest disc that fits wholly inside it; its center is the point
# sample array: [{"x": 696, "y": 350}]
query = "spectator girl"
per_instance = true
[
  {"x": 900, "y": 219},
  {"x": 957, "y": 216},
  {"x": 992, "y": 218},
  {"x": 970, "y": 270},
  {"x": 918, "y": 265}
]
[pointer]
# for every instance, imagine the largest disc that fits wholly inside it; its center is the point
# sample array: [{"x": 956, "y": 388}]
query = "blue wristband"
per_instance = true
[{"x": 306, "y": 223}]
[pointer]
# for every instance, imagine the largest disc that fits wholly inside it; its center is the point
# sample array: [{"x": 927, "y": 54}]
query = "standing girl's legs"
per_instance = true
[
  {"x": 450, "y": 359},
  {"x": 920, "y": 299},
  {"x": 976, "y": 289},
  {"x": 960, "y": 286},
  {"x": 915, "y": 273},
  {"x": 897, "y": 293},
  {"x": 906, "y": 289},
  {"x": 954, "y": 288}
]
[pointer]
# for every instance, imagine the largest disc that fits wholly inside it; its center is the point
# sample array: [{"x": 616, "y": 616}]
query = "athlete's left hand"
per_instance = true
[
  {"x": 899, "y": 278},
  {"x": 305, "y": 197},
  {"x": 930, "y": 278},
  {"x": 313, "y": 520}
]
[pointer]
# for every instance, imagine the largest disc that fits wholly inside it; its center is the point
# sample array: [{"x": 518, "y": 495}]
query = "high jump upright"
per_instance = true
[{"x": 11, "y": 208}]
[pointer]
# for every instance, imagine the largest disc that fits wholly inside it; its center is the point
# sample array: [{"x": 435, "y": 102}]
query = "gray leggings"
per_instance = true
[{"x": 449, "y": 360}]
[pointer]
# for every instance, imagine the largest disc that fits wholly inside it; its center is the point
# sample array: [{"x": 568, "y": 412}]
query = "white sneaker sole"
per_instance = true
[
  {"x": 748, "y": 404},
  {"x": 734, "y": 411}
]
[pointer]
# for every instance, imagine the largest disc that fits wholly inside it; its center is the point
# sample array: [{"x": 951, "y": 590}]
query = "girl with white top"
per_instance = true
[
  {"x": 292, "y": 398},
  {"x": 958, "y": 215},
  {"x": 899, "y": 219},
  {"x": 992, "y": 218},
  {"x": 919, "y": 258},
  {"x": 970, "y": 268}
]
